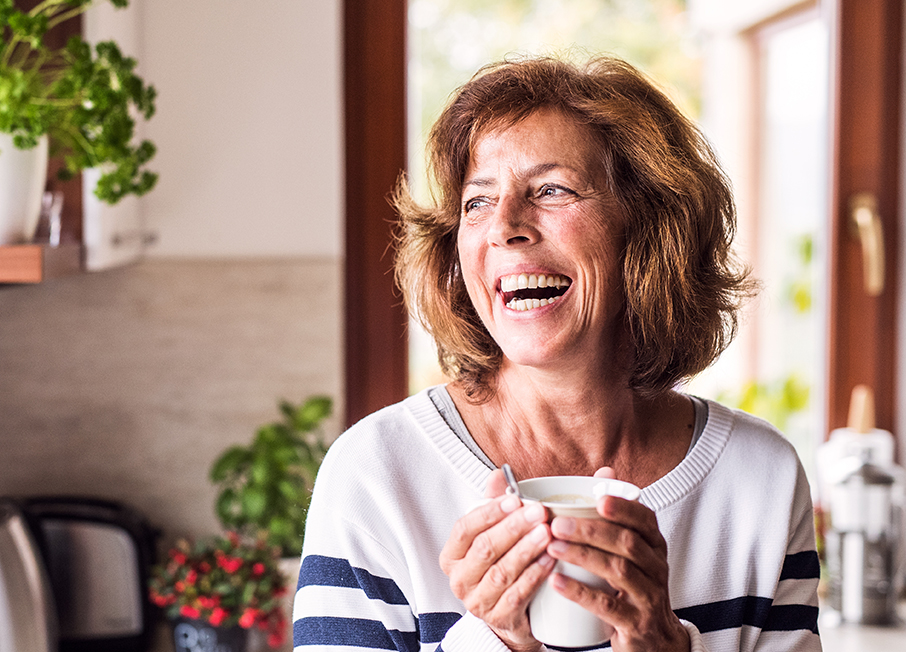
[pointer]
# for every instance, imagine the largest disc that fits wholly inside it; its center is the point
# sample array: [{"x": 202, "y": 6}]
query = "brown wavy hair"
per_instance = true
[{"x": 682, "y": 286}]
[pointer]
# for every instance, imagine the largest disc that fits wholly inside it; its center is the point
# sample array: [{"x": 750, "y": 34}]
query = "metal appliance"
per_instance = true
[
  {"x": 865, "y": 544},
  {"x": 92, "y": 559},
  {"x": 27, "y": 618}
]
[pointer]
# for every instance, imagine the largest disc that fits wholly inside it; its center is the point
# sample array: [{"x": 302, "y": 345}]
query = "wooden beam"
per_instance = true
[
  {"x": 375, "y": 132},
  {"x": 866, "y": 160}
]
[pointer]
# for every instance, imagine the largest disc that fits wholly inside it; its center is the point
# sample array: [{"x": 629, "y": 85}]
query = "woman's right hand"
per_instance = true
[{"x": 496, "y": 562}]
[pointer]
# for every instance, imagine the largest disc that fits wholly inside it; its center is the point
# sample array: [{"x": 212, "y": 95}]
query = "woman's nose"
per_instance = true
[{"x": 512, "y": 223}]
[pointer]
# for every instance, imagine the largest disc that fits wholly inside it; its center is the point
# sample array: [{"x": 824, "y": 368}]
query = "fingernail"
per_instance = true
[
  {"x": 558, "y": 581},
  {"x": 510, "y": 504},
  {"x": 546, "y": 561},
  {"x": 534, "y": 513},
  {"x": 563, "y": 525}
]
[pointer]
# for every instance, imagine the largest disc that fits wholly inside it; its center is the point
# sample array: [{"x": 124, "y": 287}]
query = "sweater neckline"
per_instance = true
[{"x": 681, "y": 480}]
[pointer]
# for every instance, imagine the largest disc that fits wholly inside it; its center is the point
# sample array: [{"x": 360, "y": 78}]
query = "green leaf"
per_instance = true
[
  {"x": 312, "y": 412},
  {"x": 254, "y": 502},
  {"x": 233, "y": 461},
  {"x": 227, "y": 509}
]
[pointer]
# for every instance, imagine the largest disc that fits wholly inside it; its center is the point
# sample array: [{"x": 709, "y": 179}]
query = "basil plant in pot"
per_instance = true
[
  {"x": 78, "y": 101},
  {"x": 266, "y": 485}
]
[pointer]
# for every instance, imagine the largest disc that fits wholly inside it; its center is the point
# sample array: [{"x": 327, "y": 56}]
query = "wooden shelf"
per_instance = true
[{"x": 35, "y": 263}]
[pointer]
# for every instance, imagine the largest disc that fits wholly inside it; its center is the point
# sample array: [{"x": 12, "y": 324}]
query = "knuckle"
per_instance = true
[
  {"x": 629, "y": 542},
  {"x": 498, "y": 577},
  {"x": 459, "y": 532},
  {"x": 515, "y": 597},
  {"x": 484, "y": 549},
  {"x": 621, "y": 567}
]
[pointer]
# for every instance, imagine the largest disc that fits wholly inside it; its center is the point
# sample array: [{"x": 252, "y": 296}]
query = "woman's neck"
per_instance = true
[{"x": 574, "y": 425}]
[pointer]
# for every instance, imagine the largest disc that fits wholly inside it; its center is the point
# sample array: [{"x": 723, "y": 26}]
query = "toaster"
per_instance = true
[{"x": 95, "y": 556}]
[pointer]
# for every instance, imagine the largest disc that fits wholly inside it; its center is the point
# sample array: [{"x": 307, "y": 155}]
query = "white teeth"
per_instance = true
[
  {"x": 529, "y": 304},
  {"x": 523, "y": 281}
]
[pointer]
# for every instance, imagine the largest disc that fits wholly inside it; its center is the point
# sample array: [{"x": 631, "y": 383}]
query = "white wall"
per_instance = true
[
  {"x": 248, "y": 126},
  {"x": 125, "y": 384}
]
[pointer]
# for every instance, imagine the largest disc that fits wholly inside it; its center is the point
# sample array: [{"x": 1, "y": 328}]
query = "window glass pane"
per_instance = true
[{"x": 776, "y": 367}]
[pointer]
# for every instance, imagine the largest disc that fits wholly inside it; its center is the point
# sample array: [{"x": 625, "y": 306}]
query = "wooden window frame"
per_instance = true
[
  {"x": 867, "y": 128},
  {"x": 376, "y": 356}
]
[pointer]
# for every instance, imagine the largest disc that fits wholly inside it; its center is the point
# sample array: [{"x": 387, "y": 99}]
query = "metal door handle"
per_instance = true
[{"x": 866, "y": 223}]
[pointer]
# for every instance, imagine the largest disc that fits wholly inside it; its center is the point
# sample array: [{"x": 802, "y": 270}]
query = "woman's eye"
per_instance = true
[
  {"x": 550, "y": 190},
  {"x": 472, "y": 204}
]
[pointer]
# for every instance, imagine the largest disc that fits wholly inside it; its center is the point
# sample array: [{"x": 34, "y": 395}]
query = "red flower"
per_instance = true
[
  {"x": 218, "y": 616},
  {"x": 189, "y": 612},
  {"x": 158, "y": 599},
  {"x": 208, "y": 602},
  {"x": 178, "y": 556},
  {"x": 180, "y": 586},
  {"x": 191, "y": 577},
  {"x": 229, "y": 564},
  {"x": 204, "y": 567},
  {"x": 275, "y": 639},
  {"x": 258, "y": 569},
  {"x": 248, "y": 618}
]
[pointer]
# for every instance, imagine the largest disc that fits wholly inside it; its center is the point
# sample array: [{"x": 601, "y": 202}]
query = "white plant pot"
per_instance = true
[{"x": 23, "y": 173}]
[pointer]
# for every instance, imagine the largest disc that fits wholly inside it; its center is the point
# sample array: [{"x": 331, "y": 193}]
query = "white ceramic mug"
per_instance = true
[{"x": 556, "y": 620}]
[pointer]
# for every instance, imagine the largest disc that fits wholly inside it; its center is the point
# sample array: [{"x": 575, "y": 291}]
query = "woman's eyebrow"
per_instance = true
[{"x": 533, "y": 171}]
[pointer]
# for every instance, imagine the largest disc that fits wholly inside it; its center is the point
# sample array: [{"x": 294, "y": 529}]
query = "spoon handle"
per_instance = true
[{"x": 512, "y": 485}]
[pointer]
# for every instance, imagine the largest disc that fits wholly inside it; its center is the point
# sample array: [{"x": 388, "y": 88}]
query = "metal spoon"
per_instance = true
[{"x": 512, "y": 485}]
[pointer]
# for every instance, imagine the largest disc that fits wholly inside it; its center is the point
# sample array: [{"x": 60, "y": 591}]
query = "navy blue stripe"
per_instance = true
[
  {"x": 801, "y": 566},
  {"x": 753, "y": 611},
  {"x": 356, "y": 632},
  {"x": 792, "y": 617},
  {"x": 432, "y": 627},
  {"x": 330, "y": 571},
  {"x": 727, "y": 614}
]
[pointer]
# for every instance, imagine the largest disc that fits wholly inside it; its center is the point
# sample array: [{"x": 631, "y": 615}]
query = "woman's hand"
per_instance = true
[
  {"x": 628, "y": 550},
  {"x": 495, "y": 559}
]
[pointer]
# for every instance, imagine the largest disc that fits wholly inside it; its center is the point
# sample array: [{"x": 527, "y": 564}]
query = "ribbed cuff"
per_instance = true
[{"x": 471, "y": 634}]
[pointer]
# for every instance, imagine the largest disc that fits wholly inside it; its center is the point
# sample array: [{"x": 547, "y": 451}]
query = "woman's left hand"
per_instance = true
[{"x": 629, "y": 552}]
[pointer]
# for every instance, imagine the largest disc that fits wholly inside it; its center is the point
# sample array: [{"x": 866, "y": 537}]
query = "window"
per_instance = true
[{"x": 863, "y": 146}]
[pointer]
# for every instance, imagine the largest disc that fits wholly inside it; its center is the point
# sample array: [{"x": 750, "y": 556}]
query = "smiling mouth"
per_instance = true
[{"x": 530, "y": 291}]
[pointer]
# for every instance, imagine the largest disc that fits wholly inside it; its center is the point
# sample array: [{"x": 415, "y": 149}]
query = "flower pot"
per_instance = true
[
  {"x": 289, "y": 566},
  {"x": 23, "y": 173},
  {"x": 201, "y": 636}
]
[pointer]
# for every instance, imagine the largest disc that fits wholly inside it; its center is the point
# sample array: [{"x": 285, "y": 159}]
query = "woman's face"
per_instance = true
[{"x": 539, "y": 241}]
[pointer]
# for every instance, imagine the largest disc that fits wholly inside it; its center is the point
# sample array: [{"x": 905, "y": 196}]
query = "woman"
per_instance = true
[{"x": 574, "y": 270}]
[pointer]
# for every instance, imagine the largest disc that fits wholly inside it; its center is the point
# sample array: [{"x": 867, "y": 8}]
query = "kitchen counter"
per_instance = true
[
  {"x": 837, "y": 637},
  {"x": 834, "y": 638}
]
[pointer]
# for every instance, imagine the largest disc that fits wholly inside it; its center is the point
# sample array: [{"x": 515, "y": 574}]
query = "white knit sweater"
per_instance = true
[{"x": 736, "y": 514}]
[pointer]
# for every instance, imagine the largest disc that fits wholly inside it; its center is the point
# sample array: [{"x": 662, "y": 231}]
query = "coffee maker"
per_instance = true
[{"x": 864, "y": 494}]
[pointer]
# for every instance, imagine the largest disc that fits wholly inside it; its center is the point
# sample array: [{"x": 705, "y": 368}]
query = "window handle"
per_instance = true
[{"x": 866, "y": 224}]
